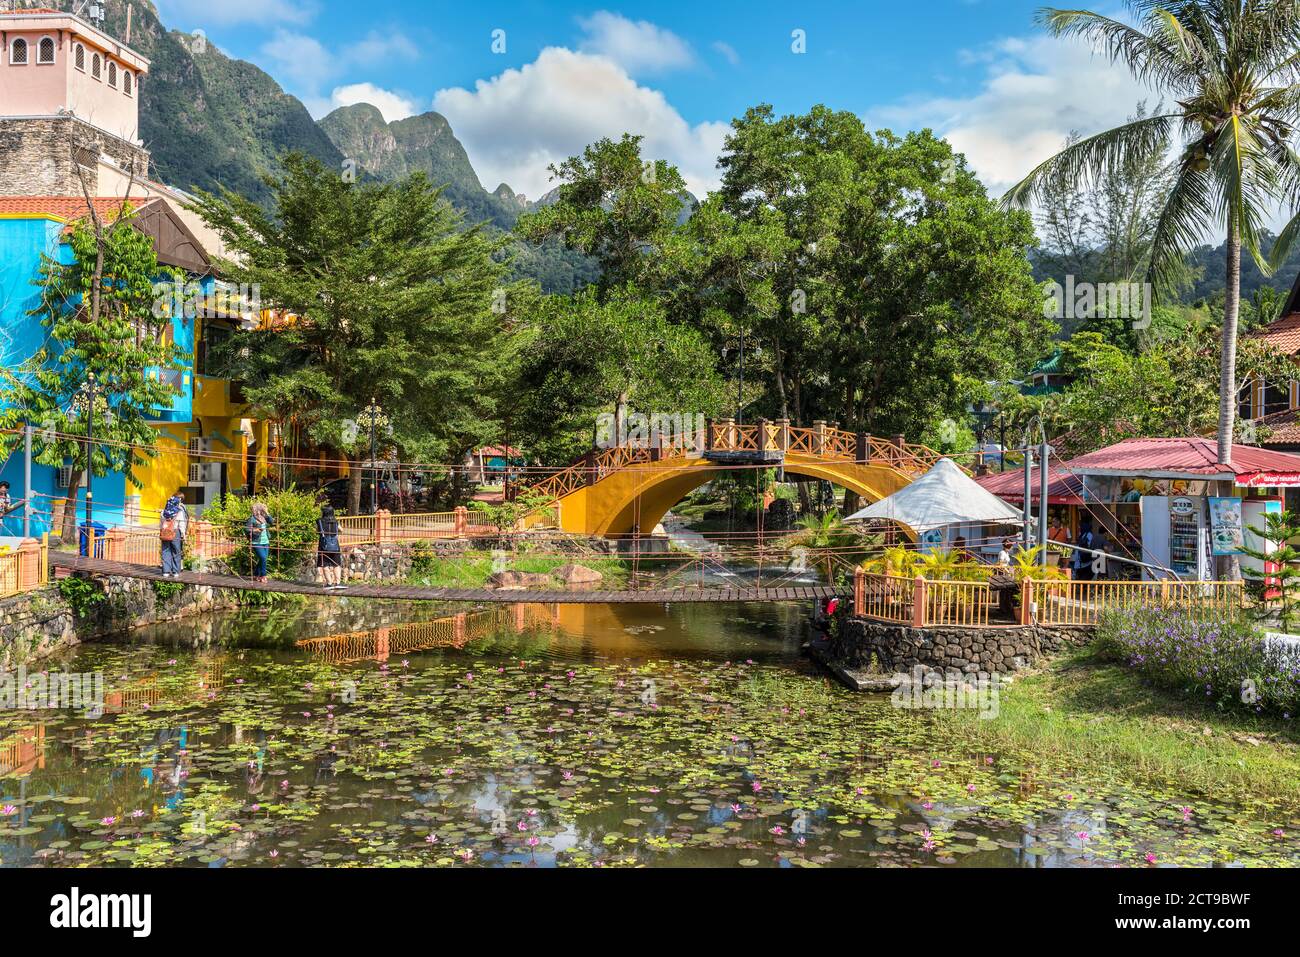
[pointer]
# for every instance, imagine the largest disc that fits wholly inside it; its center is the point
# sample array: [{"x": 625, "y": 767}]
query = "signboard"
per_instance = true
[
  {"x": 1182, "y": 506},
  {"x": 1226, "y": 533}
]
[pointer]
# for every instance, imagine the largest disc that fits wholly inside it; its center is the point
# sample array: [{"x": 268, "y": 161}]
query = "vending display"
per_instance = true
[{"x": 1176, "y": 536}]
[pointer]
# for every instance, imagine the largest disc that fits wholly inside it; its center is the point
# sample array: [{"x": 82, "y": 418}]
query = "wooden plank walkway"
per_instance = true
[{"x": 698, "y": 596}]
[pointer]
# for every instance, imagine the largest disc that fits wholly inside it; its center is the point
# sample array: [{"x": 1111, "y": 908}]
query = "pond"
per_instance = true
[{"x": 527, "y": 736}]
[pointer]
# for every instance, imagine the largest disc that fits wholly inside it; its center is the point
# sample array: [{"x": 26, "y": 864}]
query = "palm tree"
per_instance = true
[{"x": 1230, "y": 66}]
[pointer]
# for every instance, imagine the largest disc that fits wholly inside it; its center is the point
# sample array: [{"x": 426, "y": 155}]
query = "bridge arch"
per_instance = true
[{"x": 641, "y": 494}]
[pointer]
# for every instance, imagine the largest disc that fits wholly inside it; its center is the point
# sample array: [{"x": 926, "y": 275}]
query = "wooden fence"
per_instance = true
[
  {"x": 25, "y": 567},
  {"x": 921, "y": 603}
]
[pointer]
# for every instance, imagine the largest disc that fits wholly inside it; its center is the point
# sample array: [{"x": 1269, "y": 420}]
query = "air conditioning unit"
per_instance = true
[
  {"x": 204, "y": 474},
  {"x": 63, "y": 477}
]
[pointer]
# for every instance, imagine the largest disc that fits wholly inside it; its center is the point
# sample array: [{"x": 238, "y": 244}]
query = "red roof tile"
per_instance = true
[
  {"x": 1282, "y": 334},
  {"x": 1280, "y": 428},
  {"x": 1190, "y": 458},
  {"x": 67, "y": 208}
]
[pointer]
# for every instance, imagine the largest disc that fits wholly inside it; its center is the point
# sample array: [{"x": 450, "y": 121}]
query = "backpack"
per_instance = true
[
  {"x": 168, "y": 531},
  {"x": 329, "y": 542}
]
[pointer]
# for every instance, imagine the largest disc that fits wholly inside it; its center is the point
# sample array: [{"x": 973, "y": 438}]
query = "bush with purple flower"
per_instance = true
[{"x": 1221, "y": 657}]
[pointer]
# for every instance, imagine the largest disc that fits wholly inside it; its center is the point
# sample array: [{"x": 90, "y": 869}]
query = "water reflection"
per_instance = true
[{"x": 542, "y": 735}]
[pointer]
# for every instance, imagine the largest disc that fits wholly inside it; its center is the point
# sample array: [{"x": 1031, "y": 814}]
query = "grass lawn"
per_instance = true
[
  {"x": 473, "y": 570},
  {"x": 1085, "y": 710}
]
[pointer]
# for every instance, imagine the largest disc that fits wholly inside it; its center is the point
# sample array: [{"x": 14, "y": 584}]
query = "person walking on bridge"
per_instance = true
[
  {"x": 259, "y": 539},
  {"x": 172, "y": 526},
  {"x": 329, "y": 556}
]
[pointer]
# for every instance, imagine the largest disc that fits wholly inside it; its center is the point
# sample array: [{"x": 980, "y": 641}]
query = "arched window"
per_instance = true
[
  {"x": 79, "y": 57},
  {"x": 112, "y": 74},
  {"x": 96, "y": 66},
  {"x": 45, "y": 50},
  {"x": 18, "y": 52},
  {"x": 126, "y": 82}
]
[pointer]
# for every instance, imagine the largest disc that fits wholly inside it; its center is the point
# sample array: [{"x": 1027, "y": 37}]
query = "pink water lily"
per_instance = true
[
  {"x": 756, "y": 786},
  {"x": 275, "y": 853},
  {"x": 431, "y": 839},
  {"x": 778, "y": 829},
  {"x": 928, "y": 805},
  {"x": 534, "y": 841},
  {"x": 567, "y": 775},
  {"x": 1081, "y": 835},
  {"x": 1150, "y": 858},
  {"x": 970, "y": 788},
  {"x": 108, "y": 821},
  {"x": 735, "y": 809},
  {"x": 928, "y": 838},
  {"x": 137, "y": 813},
  {"x": 1187, "y": 813},
  {"x": 8, "y": 810},
  {"x": 521, "y": 826}
]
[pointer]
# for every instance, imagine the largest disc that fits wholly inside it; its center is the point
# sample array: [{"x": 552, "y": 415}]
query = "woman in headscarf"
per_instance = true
[
  {"x": 172, "y": 526},
  {"x": 259, "y": 537}
]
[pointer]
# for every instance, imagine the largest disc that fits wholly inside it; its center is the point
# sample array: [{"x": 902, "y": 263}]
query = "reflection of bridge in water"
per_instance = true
[{"x": 453, "y": 631}]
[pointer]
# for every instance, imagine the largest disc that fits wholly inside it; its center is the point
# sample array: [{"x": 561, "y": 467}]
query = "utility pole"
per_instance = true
[
  {"x": 740, "y": 381},
  {"x": 1044, "y": 457},
  {"x": 1027, "y": 537},
  {"x": 27, "y": 481}
]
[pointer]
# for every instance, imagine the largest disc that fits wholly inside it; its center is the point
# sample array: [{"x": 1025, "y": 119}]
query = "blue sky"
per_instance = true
[{"x": 978, "y": 71}]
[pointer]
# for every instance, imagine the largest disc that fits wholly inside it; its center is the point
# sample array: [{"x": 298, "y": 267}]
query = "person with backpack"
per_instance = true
[
  {"x": 329, "y": 556},
  {"x": 1083, "y": 556},
  {"x": 259, "y": 538},
  {"x": 172, "y": 526}
]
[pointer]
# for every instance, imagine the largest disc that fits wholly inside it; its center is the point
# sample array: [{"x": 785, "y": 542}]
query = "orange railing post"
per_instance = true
[
  {"x": 918, "y": 602},
  {"x": 383, "y": 526},
  {"x": 1026, "y": 602},
  {"x": 115, "y": 545},
  {"x": 29, "y": 565},
  {"x": 859, "y": 592},
  {"x": 201, "y": 539},
  {"x": 460, "y": 522}
]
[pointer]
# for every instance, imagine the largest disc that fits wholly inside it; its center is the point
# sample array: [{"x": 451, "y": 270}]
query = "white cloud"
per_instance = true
[
  {"x": 727, "y": 51},
  {"x": 306, "y": 67},
  {"x": 299, "y": 61},
  {"x": 394, "y": 106},
  {"x": 198, "y": 12},
  {"x": 635, "y": 45},
  {"x": 1035, "y": 93},
  {"x": 516, "y": 124}
]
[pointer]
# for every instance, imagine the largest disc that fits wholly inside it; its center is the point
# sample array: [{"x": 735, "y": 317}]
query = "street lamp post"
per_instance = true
[
  {"x": 740, "y": 377},
  {"x": 982, "y": 415},
  {"x": 373, "y": 418}
]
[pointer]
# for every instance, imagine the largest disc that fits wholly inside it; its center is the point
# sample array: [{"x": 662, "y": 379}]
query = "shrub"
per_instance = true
[
  {"x": 1220, "y": 657},
  {"x": 293, "y": 536}
]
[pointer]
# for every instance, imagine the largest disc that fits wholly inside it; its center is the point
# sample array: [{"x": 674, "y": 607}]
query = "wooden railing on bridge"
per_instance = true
[
  {"x": 725, "y": 435},
  {"x": 921, "y": 603}
]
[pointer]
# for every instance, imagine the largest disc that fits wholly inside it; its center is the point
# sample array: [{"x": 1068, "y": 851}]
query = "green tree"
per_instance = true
[
  {"x": 99, "y": 312},
  {"x": 590, "y": 357},
  {"x": 384, "y": 295},
  {"x": 1230, "y": 67},
  {"x": 897, "y": 279},
  {"x": 1282, "y": 585},
  {"x": 612, "y": 205}
]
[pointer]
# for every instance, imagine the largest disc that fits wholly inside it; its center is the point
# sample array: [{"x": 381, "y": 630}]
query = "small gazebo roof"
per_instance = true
[{"x": 945, "y": 495}]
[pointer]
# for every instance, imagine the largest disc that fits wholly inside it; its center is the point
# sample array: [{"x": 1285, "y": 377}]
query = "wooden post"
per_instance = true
[
  {"x": 460, "y": 522},
  {"x": 708, "y": 435},
  {"x": 819, "y": 437},
  {"x": 29, "y": 564},
  {"x": 201, "y": 535},
  {"x": 762, "y": 435},
  {"x": 783, "y": 434},
  {"x": 864, "y": 448},
  {"x": 918, "y": 602},
  {"x": 115, "y": 545},
  {"x": 383, "y": 522},
  {"x": 728, "y": 434},
  {"x": 1026, "y": 602},
  {"x": 859, "y": 592}
]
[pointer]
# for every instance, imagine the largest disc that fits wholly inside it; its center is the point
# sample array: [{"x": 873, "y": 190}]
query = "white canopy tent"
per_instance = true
[{"x": 945, "y": 495}]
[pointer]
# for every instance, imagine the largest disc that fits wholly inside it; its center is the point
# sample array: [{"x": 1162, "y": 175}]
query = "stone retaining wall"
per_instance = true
[{"x": 900, "y": 648}]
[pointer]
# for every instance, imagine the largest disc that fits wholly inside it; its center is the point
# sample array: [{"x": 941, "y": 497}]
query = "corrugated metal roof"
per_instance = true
[
  {"x": 1190, "y": 458},
  {"x": 1063, "y": 488}
]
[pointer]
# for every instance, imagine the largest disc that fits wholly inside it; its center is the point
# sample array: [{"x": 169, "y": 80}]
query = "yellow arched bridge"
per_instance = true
[{"x": 616, "y": 492}]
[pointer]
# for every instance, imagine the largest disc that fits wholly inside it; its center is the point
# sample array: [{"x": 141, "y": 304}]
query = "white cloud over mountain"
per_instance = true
[
  {"x": 635, "y": 45},
  {"x": 1035, "y": 92},
  {"x": 517, "y": 123}
]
